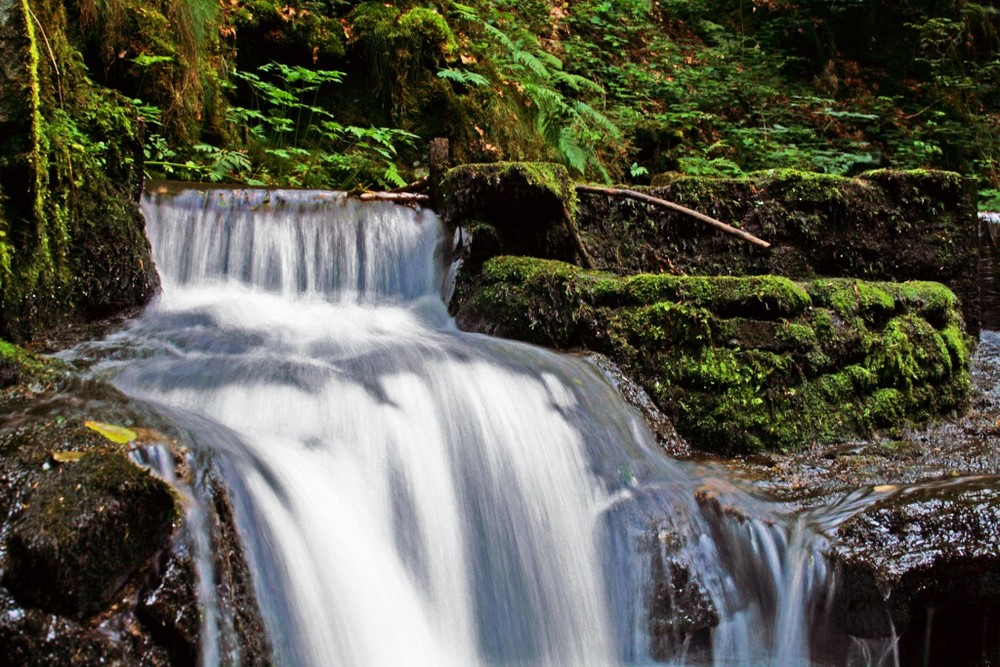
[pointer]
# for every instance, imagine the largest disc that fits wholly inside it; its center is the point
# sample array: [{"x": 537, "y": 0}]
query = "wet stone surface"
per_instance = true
[
  {"x": 95, "y": 560},
  {"x": 916, "y": 548}
]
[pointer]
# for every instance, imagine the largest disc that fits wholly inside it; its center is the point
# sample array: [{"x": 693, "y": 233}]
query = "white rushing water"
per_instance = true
[{"x": 409, "y": 494}]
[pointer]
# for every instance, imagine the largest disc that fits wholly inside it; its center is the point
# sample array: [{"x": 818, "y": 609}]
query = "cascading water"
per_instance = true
[{"x": 409, "y": 494}]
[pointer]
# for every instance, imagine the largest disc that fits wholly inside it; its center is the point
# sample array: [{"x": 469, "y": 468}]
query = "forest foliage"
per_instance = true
[{"x": 345, "y": 94}]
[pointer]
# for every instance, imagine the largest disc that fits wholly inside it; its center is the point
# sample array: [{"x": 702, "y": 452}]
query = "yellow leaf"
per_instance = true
[
  {"x": 885, "y": 488},
  {"x": 67, "y": 457},
  {"x": 116, "y": 434}
]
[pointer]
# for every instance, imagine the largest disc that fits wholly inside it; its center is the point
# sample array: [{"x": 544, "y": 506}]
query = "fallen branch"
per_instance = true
[
  {"x": 398, "y": 197},
  {"x": 656, "y": 201}
]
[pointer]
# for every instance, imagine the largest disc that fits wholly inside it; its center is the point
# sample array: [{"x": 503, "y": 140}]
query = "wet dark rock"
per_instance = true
[
  {"x": 923, "y": 563},
  {"x": 96, "y": 555},
  {"x": 661, "y": 426},
  {"x": 33, "y": 638},
  {"x": 235, "y": 585},
  {"x": 681, "y": 611},
  {"x": 166, "y": 609},
  {"x": 83, "y": 531}
]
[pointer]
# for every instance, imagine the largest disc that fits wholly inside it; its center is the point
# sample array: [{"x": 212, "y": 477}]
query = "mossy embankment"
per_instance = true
[
  {"x": 882, "y": 225},
  {"x": 72, "y": 243},
  {"x": 745, "y": 364},
  {"x": 741, "y": 359}
]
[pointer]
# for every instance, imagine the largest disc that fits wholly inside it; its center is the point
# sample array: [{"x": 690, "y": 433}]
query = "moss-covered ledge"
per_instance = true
[
  {"x": 881, "y": 225},
  {"x": 514, "y": 208},
  {"x": 745, "y": 364}
]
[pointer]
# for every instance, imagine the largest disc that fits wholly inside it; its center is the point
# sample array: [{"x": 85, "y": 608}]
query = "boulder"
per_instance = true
[
  {"x": 91, "y": 539},
  {"x": 882, "y": 225}
]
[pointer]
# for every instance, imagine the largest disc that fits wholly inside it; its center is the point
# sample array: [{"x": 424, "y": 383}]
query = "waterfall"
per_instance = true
[{"x": 409, "y": 494}]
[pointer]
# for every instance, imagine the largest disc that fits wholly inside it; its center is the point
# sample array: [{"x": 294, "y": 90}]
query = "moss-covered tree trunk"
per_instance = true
[{"x": 72, "y": 241}]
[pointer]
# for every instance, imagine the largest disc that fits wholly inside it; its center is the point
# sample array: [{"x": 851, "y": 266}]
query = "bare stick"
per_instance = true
[
  {"x": 656, "y": 201},
  {"x": 416, "y": 185}
]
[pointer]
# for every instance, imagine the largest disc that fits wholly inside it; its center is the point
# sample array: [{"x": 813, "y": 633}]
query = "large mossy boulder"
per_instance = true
[
  {"x": 513, "y": 208},
  {"x": 882, "y": 225},
  {"x": 72, "y": 241},
  {"x": 744, "y": 364},
  {"x": 84, "y": 530}
]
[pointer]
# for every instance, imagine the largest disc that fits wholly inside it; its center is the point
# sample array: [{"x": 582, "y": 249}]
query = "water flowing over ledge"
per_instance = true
[{"x": 411, "y": 494}]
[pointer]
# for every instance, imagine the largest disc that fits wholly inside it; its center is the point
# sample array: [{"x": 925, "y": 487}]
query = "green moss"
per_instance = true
[
  {"x": 853, "y": 298},
  {"x": 666, "y": 324},
  {"x": 933, "y": 301},
  {"x": 20, "y": 366},
  {"x": 428, "y": 32},
  {"x": 79, "y": 248},
  {"x": 745, "y": 364},
  {"x": 909, "y": 351},
  {"x": 801, "y": 186},
  {"x": 768, "y": 297},
  {"x": 797, "y": 336},
  {"x": 885, "y": 407},
  {"x": 538, "y": 301},
  {"x": 943, "y": 179}
]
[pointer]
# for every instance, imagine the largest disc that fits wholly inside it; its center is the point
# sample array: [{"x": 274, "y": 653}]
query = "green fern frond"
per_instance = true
[
  {"x": 533, "y": 63},
  {"x": 464, "y": 77},
  {"x": 545, "y": 98},
  {"x": 573, "y": 155},
  {"x": 587, "y": 112},
  {"x": 502, "y": 37}
]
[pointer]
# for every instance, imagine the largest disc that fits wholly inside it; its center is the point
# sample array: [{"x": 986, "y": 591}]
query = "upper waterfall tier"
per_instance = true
[{"x": 286, "y": 241}]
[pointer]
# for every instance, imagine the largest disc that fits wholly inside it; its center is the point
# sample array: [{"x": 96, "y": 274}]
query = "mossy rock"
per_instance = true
[
  {"x": 746, "y": 364},
  {"x": 20, "y": 367},
  {"x": 72, "y": 242},
  {"x": 881, "y": 226},
  {"x": 530, "y": 205},
  {"x": 88, "y": 537},
  {"x": 84, "y": 531}
]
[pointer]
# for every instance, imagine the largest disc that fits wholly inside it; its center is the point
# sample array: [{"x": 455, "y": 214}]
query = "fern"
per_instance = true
[
  {"x": 570, "y": 126},
  {"x": 464, "y": 77}
]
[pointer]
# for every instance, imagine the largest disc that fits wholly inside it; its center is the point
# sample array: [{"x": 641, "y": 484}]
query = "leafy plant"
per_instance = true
[
  {"x": 561, "y": 101},
  {"x": 298, "y": 142}
]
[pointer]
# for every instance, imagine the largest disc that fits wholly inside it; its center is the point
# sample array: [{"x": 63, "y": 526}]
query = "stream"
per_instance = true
[{"x": 410, "y": 494}]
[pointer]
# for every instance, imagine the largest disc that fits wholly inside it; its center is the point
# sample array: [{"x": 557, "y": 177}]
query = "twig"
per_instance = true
[
  {"x": 586, "y": 261},
  {"x": 656, "y": 201}
]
